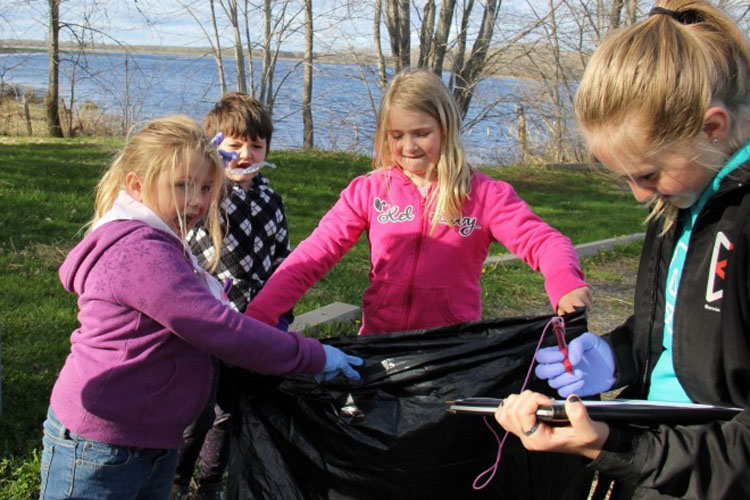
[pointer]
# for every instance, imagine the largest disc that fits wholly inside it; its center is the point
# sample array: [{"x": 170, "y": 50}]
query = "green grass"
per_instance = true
[{"x": 46, "y": 196}]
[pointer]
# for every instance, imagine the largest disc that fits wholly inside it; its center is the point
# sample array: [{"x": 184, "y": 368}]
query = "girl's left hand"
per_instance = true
[
  {"x": 575, "y": 299},
  {"x": 517, "y": 415}
]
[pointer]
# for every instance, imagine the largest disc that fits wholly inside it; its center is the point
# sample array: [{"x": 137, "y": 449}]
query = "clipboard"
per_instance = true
[{"x": 631, "y": 411}]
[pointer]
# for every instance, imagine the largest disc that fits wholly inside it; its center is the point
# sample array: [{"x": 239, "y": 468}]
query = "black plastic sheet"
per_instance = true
[{"x": 389, "y": 436}]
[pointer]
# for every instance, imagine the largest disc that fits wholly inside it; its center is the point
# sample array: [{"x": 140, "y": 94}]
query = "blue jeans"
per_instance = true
[{"x": 76, "y": 467}]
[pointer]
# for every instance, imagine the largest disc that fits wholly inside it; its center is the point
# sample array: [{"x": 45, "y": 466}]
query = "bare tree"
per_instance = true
[
  {"x": 558, "y": 119},
  {"x": 307, "y": 118},
  {"x": 425, "y": 34},
  {"x": 217, "y": 49},
  {"x": 615, "y": 14},
  {"x": 470, "y": 74},
  {"x": 53, "y": 86},
  {"x": 468, "y": 68},
  {"x": 266, "y": 83},
  {"x": 232, "y": 12},
  {"x": 397, "y": 22},
  {"x": 460, "y": 53},
  {"x": 631, "y": 12},
  {"x": 251, "y": 68},
  {"x": 281, "y": 21},
  {"x": 382, "y": 77},
  {"x": 405, "y": 18},
  {"x": 214, "y": 42},
  {"x": 440, "y": 37}
]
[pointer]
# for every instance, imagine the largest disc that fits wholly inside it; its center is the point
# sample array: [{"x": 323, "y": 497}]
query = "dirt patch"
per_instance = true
[{"x": 613, "y": 283}]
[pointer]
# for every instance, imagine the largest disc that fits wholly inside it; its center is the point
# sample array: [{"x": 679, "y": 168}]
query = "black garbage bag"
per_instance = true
[{"x": 390, "y": 436}]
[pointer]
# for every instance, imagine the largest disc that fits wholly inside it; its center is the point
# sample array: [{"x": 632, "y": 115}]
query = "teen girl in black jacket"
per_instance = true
[{"x": 665, "y": 104}]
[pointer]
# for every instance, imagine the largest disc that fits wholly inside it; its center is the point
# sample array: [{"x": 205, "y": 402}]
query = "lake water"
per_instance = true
[{"x": 343, "y": 97}]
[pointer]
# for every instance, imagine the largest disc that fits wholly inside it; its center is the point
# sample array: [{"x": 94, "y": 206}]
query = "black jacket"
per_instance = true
[{"x": 711, "y": 353}]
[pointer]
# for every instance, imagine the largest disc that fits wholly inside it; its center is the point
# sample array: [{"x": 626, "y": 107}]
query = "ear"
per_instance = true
[
  {"x": 716, "y": 123},
  {"x": 134, "y": 186}
]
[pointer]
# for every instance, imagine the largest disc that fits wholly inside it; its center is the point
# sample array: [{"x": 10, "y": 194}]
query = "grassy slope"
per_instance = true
[{"x": 46, "y": 196}]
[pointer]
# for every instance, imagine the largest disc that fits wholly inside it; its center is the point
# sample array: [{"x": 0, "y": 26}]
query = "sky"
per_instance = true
[{"x": 168, "y": 22}]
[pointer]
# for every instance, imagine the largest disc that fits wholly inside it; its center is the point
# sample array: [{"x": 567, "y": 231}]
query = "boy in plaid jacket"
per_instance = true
[{"x": 256, "y": 241}]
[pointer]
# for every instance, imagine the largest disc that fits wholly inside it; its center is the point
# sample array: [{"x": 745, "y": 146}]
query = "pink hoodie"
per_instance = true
[{"x": 417, "y": 279}]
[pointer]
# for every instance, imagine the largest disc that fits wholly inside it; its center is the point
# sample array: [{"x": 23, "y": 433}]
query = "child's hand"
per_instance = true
[
  {"x": 577, "y": 298},
  {"x": 517, "y": 415},
  {"x": 227, "y": 156},
  {"x": 339, "y": 363}
]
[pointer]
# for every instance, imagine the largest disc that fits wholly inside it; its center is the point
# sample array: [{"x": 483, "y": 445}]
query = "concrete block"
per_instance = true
[
  {"x": 334, "y": 312},
  {"x": 594, "y": 247},
  {"x": 584, "y": 249}
]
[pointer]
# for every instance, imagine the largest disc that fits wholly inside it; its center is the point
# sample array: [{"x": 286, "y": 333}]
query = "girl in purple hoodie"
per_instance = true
[
  {"x": 430, "y": 219},
  {"x": 139, "y": 369}
]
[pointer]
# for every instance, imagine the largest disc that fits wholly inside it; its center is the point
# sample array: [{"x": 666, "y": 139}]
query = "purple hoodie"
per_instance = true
[{"x": 139, "y": 367}]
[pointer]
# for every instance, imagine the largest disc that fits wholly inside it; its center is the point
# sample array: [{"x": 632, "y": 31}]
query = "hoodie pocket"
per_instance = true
[
  {"x": 387, "y": 307},
  {"x": 432, "y": 307}
]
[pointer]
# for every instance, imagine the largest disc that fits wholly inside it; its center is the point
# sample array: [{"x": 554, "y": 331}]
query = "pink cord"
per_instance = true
[{"x": 500, "y": 443}]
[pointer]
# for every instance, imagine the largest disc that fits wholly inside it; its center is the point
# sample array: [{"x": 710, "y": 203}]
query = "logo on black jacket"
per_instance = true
[{"x": 717, "y": 271}]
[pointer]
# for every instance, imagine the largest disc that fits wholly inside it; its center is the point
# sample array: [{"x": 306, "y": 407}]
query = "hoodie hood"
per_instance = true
[
  {"x": 86, "y": 254},
  {"x": 130, "y": 215}
]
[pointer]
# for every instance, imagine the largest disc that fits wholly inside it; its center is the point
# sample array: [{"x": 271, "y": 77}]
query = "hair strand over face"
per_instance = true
[{"x": 163, "y": 147}]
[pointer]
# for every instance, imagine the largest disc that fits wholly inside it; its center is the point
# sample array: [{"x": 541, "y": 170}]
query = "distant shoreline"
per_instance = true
[
  {"x": 499, "y": 69},
  {"x": 15, "y": 46}
]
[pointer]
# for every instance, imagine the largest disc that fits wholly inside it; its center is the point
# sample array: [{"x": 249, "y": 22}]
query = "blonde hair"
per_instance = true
[
  {"x": 162, "y": 146},
  {"x": 423, "y": 91},
  {"x": 663, "y": 74}
]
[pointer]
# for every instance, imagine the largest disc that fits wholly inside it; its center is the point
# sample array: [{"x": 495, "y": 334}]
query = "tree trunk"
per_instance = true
[
  {"x": 458, "y": 60},
  {"x": 217, "y": 54},
  {"x": 307, "y": 118},
  {"x": 631, "y": 12},
  {"x": 471, "y": 73},
  {"x": 426, "y": 34},
  {"x": 126, "y": 99},
  {"x": 440, "y": 40},
  {"x": 251, "y": 68},
  {"x": 240, "y": 60},
  {"x": 383, "y": 77},
  {"x": 27, "y": 116},
  {"x": 523, "y": 143},
  {"x": 405, "y": 18},
  {"x": 53, "y": 88},
  {"x": 231, "y": 10},
  {"x": 265, "y": 84},
  {"x": 558, "y": 122},
  {"x": 615, "y": 14},
  {"x": 393, "y": 25}
]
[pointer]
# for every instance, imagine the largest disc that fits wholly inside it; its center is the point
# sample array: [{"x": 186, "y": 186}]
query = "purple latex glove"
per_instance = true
[
  {"x": 337, "y": 363},
  {"x": 225, "y": 155},
  {"x": 593, "y": 367},
  {"x": 285, "y": 320}
]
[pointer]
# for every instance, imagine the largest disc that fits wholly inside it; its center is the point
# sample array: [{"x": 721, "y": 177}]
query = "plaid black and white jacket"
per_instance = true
[{"x": 256, "y": 242}]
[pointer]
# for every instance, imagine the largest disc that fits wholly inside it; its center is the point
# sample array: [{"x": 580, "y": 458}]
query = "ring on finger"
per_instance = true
[{"x": 532, "y": 430}]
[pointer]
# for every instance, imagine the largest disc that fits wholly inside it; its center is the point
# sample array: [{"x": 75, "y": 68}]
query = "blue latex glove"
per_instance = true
[
  {"x": 337, "y": 363},
  {"x": 225, "y": 155},
  {"x": 593, "y": 367}
]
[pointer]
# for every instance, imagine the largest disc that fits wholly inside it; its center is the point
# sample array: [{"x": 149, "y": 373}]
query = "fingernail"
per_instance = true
[{"x": 574, "y": 399}]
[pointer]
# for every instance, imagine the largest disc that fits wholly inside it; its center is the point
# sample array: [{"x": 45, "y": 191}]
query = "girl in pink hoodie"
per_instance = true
[{"x": 430, "y": 219}]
